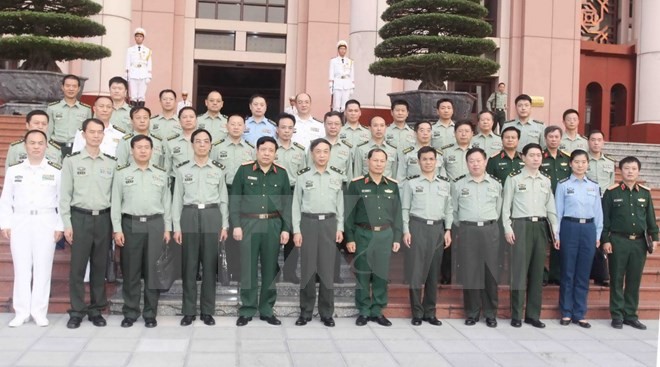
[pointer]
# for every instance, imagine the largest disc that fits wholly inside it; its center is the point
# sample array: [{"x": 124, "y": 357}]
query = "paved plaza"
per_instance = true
[{"x": 259, "y": 344}]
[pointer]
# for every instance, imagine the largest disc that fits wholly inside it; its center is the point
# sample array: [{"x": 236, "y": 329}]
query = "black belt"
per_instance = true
[
  {"x": 90, "y": 212},
  {"x": 142, "y": 218},
  {"x": 201, "y": 206},
  {"x": 426, "y": 221},
  {"x": 531, "y": 219},
  {"x": 320, "y": 216},
  {"x": 62, "y": 145},
  {"x": 478, "y": 224},
  {"x": 579, "y": 220},
  {"x": 260, "y": 216},
  {"x": 379, "y": 228},
  {"x": 630, "y": 236}
]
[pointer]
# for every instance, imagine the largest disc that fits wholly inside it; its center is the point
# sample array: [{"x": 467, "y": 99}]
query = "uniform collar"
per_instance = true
[
  {"x": 123, "y": 107},
  {"x": 41, "y": 165},
  {"x": 252, "y": 120},
  {"x": 624, "y": 187},
  {"x": 317, "y": 172},
  {"x": 359, "y": 126},
  {"x": 575, "y": 179},
  {"x": 405, "y": 127},
  {"x": 491, "y": 133},
  {"x": 525, "y": 172},
  {"x": 208, "y": 162},
  {"x": 451, "y": 124},
  {"x": 85, "y": 154},
  {"x": 367, "y": 179},
  {"x": 255, "y": 167}
]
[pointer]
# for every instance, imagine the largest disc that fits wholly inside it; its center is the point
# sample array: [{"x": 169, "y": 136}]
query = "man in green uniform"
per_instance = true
[
  {"x": 353, "y": 132},
  {"x": 477, "y": 203},
  {"x": 571, "y": 140},
  {"x": 85, "y": 209},
  {"x": 66, "y": 116},
  {"x": 177, "y": 147},
  {"x": 341, "y": 154},
  {"x": 486, "y": 139},
  {"x": 427, "y": 218},
  {"x": 377, "y": 126},
  {"x": 399, "y": 133},
  {"x": 408, "y": 160},
  {"x": 443, "y": 129},
  {"x": 120, "y": 109},
  {"x": 212, "y": 120},
  {"x": 318, "y": 223},
  {"x": 140, "y": 117},
  {"x": 167, "y": 123},
  {"x": 628, "y": 216},
  {"x": 531, "y": 131},
  {"x": 373, "y": 222},
  {"x": 529, "y": 218},
  {"x": 200, "y": 218},
  {"x": 260, "y": 204},
  {"x": 497, "y": 103},
  {"x": 508, "y": 160},
  {"x": 141, "y": 220},
  {"x": 556, "y": 165},
  {"x": 35, "y": 120}
]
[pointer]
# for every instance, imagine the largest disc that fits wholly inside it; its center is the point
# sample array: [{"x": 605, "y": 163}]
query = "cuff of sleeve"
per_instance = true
[
  {"x": 177, "y": 227},
  {"x": 296, "y": 229},
  {"x": 605, "y": 238}
]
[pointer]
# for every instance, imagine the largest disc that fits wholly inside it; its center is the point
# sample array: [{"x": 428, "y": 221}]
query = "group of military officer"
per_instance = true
[{"x": 309, "y": 185}]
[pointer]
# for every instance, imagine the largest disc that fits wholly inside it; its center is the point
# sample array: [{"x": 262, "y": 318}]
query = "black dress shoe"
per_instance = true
[
  {"x": 433, "y": 321},
  {"x": 564, "y": 322},
  {"x": 470, "y": 321},
  {"x": 74, "y": 322},
  {"x": 97, "y": 320},
  {"x": 292, "y": 278},
  {"x": 150, "y": 322},
  {"x": 635, "y": 323},
  {"x": 491, "y": 322},
  {"x": 271, "y": 320},
  {"x": 534, "y": 322},
  {"x": 302, "y": 321},
  {"x": 602, "y": 283},
  {"x": 328, "y": 321},
  {"x": 617, "y": 324},
  {"x": 381, "y": 320},
  {"x": 127, "y": 322},
  {"x": 362, "y": 320},
  {"x": 187, "y": 320},
  {"x": 583, "y": 324},
  {"x": 516, "y": 323},
  {"x": 243, "y": 320},
  {"x": 416, "y": 321},
  {"x": 208, "y": 319}
]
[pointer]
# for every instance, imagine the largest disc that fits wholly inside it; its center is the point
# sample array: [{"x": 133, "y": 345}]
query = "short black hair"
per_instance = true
[
  {"x": 236, "y": 115},
  {"x": 185, "y": 109},
  {"x": 551, "y": 129},
  {"x": 160, "y": 95},
  {"x": 285, "y": 115},
  {"x": 255, "y": 96},
  {"x": 318, "y": 141},
  {"x": 332, "y": 113},
  {"x": 117, "y": 80},
  {"x": 475, "y": 150},
  {"x": 511, "y": 128},
  {"x": 578, "y": 152},
  {"x": 568, "y": 112},
  {"x": 595, "y": 131},
  {"x": 630, "y": 159},
  {"x": 140, "y": 137},
  {"x": 492, "y": 115},
  {"x": 464, "y": 122},
  {"x": 531, "y": 146},
  {"x": 426, "y": 149},
  {"x": 36, "y": 113},
  {"x": 92, "y": 121},
  {"x": 400, "y": 102},
  {"x": 443, "y": 100},
  {"x": 136, "y": 109},
  {"x": 200, "y": 131},
  {"x": 523, "y": 97},
  {"x": 376, "y": 150},
  {"x": 29, "y": 132},
  {"x": 416, "y": 127},
  {"x": 352, "y": 101},
  {"x": 266, "y": 139},
  {"x": 72, "y": 77}
]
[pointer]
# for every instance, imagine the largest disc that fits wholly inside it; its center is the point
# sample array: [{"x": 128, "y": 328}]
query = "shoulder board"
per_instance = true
[
  {"x": 128, "y": 136},
  {"x": 545, "y": 174},
  {"x": 315, "y": 119},
  {"x": 156, "y": 136},
  {"x": 357, "y": 178},
  {"x": 119, "y": 129},
  {"x": 225, "y": 116},
  {"x": 298, "y": 145},
  {"x": 109, "y": 156},
  {"x": 52, "y": 143},
  {"x": 73, "y": 154},
  {"x": 443, "y": 178},
  {"x": 201, "y": 114},
  {"x": 644, "y": 187},
  {"x": 362, "y": 143},
  {"x": 159, "y": 167},
  {"x": 458, "y": 178},
  {"x": 609, "y": 157},
  {"x": 408, "y": 150},
  {"x": 121, "y": 167},
  {"x": 155, "y": 117},
  {"x": 506, "y": 122},
  {"x": 514, "y": 173},
  {"x": 54, "y": 164},
  {"x": 182, "y": 164},
  {"x": 306, "y": 169},
  {"x": 219, "y": 142},
  {"x": 447, "y": 146},
  {"x": 279, "y": 165},
  {"x": 495, "y": 178},
  {"x": 347, "y": 143},
  {"x": 391, "y": 179},
  {"x": 85, "y": 104},
  {"x": 219, "y": 165},
  {"x": 583, "y": 137},
  {"x": 333, "y": 168},
  {"x": 496, "y": 134},
  {"x": 564, "y": 179},
  {"x": 173, "y": 136},
  {"x": 54, "y": 103},
  {"x": 588, "y": 179},
  {"x": 411, "y": 177},
  {"x": 439, "y": 151},
  {"x": 613, "y": 186},
  {"x": 390, "y": 144},
  {"x": 13, "y": 164},
  {"x": 18, "y": 142},
  {"x": 247, "y": 163},
  {"x": 248, "y": 143},
  {"x": 271, "y": 122},
  {"x": 538, "y": 122},
  {"x": 565, "y": 153}
]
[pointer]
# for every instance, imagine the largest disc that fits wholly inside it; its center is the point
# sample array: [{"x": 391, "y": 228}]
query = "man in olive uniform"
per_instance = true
[
  {"x": 453, "y": 154},
  {"x": 200, "y": 218},
  {"x": 571, "y": 140},
  {"x": 628, "y": 216},
  {"x": 260, "y": 204},
  {"x": 486, "y": 138},
  {"x": 408, "y": 160},
  {"x": 212, "y": 120},
  {"x": 477, "y": 203},
  {"x": 85, "y": 209},
  {"x": 509, "y": 159},
  {"x": 399, "y": 133},
  {"x": 373, "y": 222},
  {"x": 531, "y": 131},
  {"x": 353, "y": 131},
  {"x": 141, "y": 221},
  {"x": 66, "y": 116},
  {"x": 35, "y": 120},
  {"x": 443, "y": 129},
  {"x": 497, "y": 103},
  {"x": 140, "y": 117},
  {"x": 178, "y": 149},
  {"x": 318, "y": 223},
  {"x": 556, "y": 165},
  {"x": 377, "y": 126},
  {"x": 529, "y": 218},
  {"x": 427, "y": 218},
  {"x": 167, "y": 123},
  {"x": 341, "y": 154},
  {"x": 120, "y": 109}
]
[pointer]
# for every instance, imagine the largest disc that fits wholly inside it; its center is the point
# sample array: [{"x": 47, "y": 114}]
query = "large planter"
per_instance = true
[
  {"x": 25, "y": 89},
  {"x": 422, "y": 104}
]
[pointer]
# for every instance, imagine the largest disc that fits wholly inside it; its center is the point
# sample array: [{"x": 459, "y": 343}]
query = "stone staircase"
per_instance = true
[{"x": 648, "y": 154}]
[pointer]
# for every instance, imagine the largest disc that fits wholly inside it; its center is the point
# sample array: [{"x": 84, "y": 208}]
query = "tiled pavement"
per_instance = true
[{"x": 258, "y": 344}]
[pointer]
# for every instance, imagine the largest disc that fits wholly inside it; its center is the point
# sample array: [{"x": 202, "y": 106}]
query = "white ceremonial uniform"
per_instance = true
[
  {"x": 307, "y": 130},
  {"x": 342, "y": 75},
  {"x": 183, "y": 104},
  {"x": 29, "y": 207},
  {"x": 138, "y": 64},
  {"x": 111, "y": 138}
]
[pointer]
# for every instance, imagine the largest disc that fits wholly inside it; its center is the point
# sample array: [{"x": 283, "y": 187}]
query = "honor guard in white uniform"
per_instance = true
[
  {"x": 138, "y": 68},
  {"x": 342, "y": 76}
]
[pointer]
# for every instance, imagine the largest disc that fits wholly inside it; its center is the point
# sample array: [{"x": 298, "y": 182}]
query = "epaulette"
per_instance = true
[
  {"x": 583, "y": 137},
  {"x": 271, "y": 122},
  {"x": 247, "y": 163},
  {"x": 363, "y": 143},
  {"x": 357, "y": 178},
  {"x": 447, "y": 146},
  {"x": 514, "y": 173},
  {"x": 279, "y": 165},
  {"x": 298, "y": 145},
  {"x": 496, "y": 134},
  {"x": 538, "y": 122},
  {"x": 411, "y": 177},
  {"x": 609, "y": 157},
  {"x": 443, "y": 178},
  {"x": 588, "y": 179},
  {"x": 13, "y": 164},
  {"x": 390, "y": 144},
  {"x": 306, "y": 169},
  {"x": 182, "y": 163},
  {"x": 54, "y": 103},
  {"x": 19, "y": 141},
  {"x": 121, "y": 167},
  {"x": 85, "y": 104},
  {"x": 225, "y": 116},
  {"x": 347, "y": 143},
  {"x": 128, "y": 136},
  {"x": 155, "y": 117},
  {"x": 495, "y": 178},
  {"x": 391, "y": 179},
  {"x": 109, "y": 156},
  {"x": 156, "y": 136},
  {"x": 644, "y": 187},
  {"x": 54, "y": 164},
  {"x": 458, "y": 178},
  {"x": 52, "y": 143},
  {"x": 119, "y": 129},
  {"x": 248, "y": 143},
  {"x": 613, "y": 187},
  {"x": 337, "y": 170},
  {"x": 506, "y": 122},
  {"x": 219, "y": 142},
  {"x": 545, "y": 174},
  {"x": 315, "y": 119},
  {"x": 159, "y": 167},
  {"x": 176, "y": 135},
  {"x": 73, "y": 154},
  {"x": 219, "y": 165},
  {"x": 565, "y": 153},
  {"x": 439, "y": 151},
  {"x": 564, "y": 179},
  {"x": 408, "y": 150}
]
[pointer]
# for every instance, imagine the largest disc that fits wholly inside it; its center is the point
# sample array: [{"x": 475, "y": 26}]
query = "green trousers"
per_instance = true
[
  {"x": 626, "y": 266},
  {"x": 318, "y": 254},
  {"x": 425, "y": 254},
  {"x": 527, "y": 261},
  {"x": 261, "y": 239},
  {"x": 372, "y": 265}
]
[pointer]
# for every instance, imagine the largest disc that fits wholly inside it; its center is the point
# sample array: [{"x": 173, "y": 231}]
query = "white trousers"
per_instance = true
[
  {"x": 137, "y": 88},
  {"x": 32, "y": 251},
  {"x": 339, "y": 99}
]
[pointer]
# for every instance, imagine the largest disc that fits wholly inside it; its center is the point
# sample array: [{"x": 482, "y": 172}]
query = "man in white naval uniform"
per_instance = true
[
  {"x": 138, "y": 68},
  {"x": 342, "y": 76},
  {"x": 30, "y": 221}
]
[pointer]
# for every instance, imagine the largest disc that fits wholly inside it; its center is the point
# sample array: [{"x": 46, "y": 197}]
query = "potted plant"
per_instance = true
[
  {"x": 434, "y": 41},
  {"x": 40, "y": 32}
]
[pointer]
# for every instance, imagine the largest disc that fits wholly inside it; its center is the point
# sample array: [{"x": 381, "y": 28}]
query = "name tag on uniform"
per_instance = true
[
  {"x": 419, "y": 189},
  {"x": 315, "y": 129},
  {"x": 465, "y": 192},
  {"x": 129, "y": 180},
  {"x": 618, "y": 200},
  {"x": 342, "y": 136},
  {"x": 641, "y": 200},
  {"x": 366, "y": 191},
  {"x": 18, "y": 179},
  {"x": 252, "y": 178},
  {"x": 389, "y": 191},
  {"x": 563, "y": 164},
  {"x": 188, "y": 178},
  {"x": 522, "y": 187},
  {"x": 451, "y": 159},
  {"x": 48, "y": 177}
]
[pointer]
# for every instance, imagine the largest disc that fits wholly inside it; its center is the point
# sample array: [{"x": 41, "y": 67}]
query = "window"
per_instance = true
[
  {"x": 215, "y": 41},
  {"x": 271, "y": 11},
  {"x": 266, "y": 43}
]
